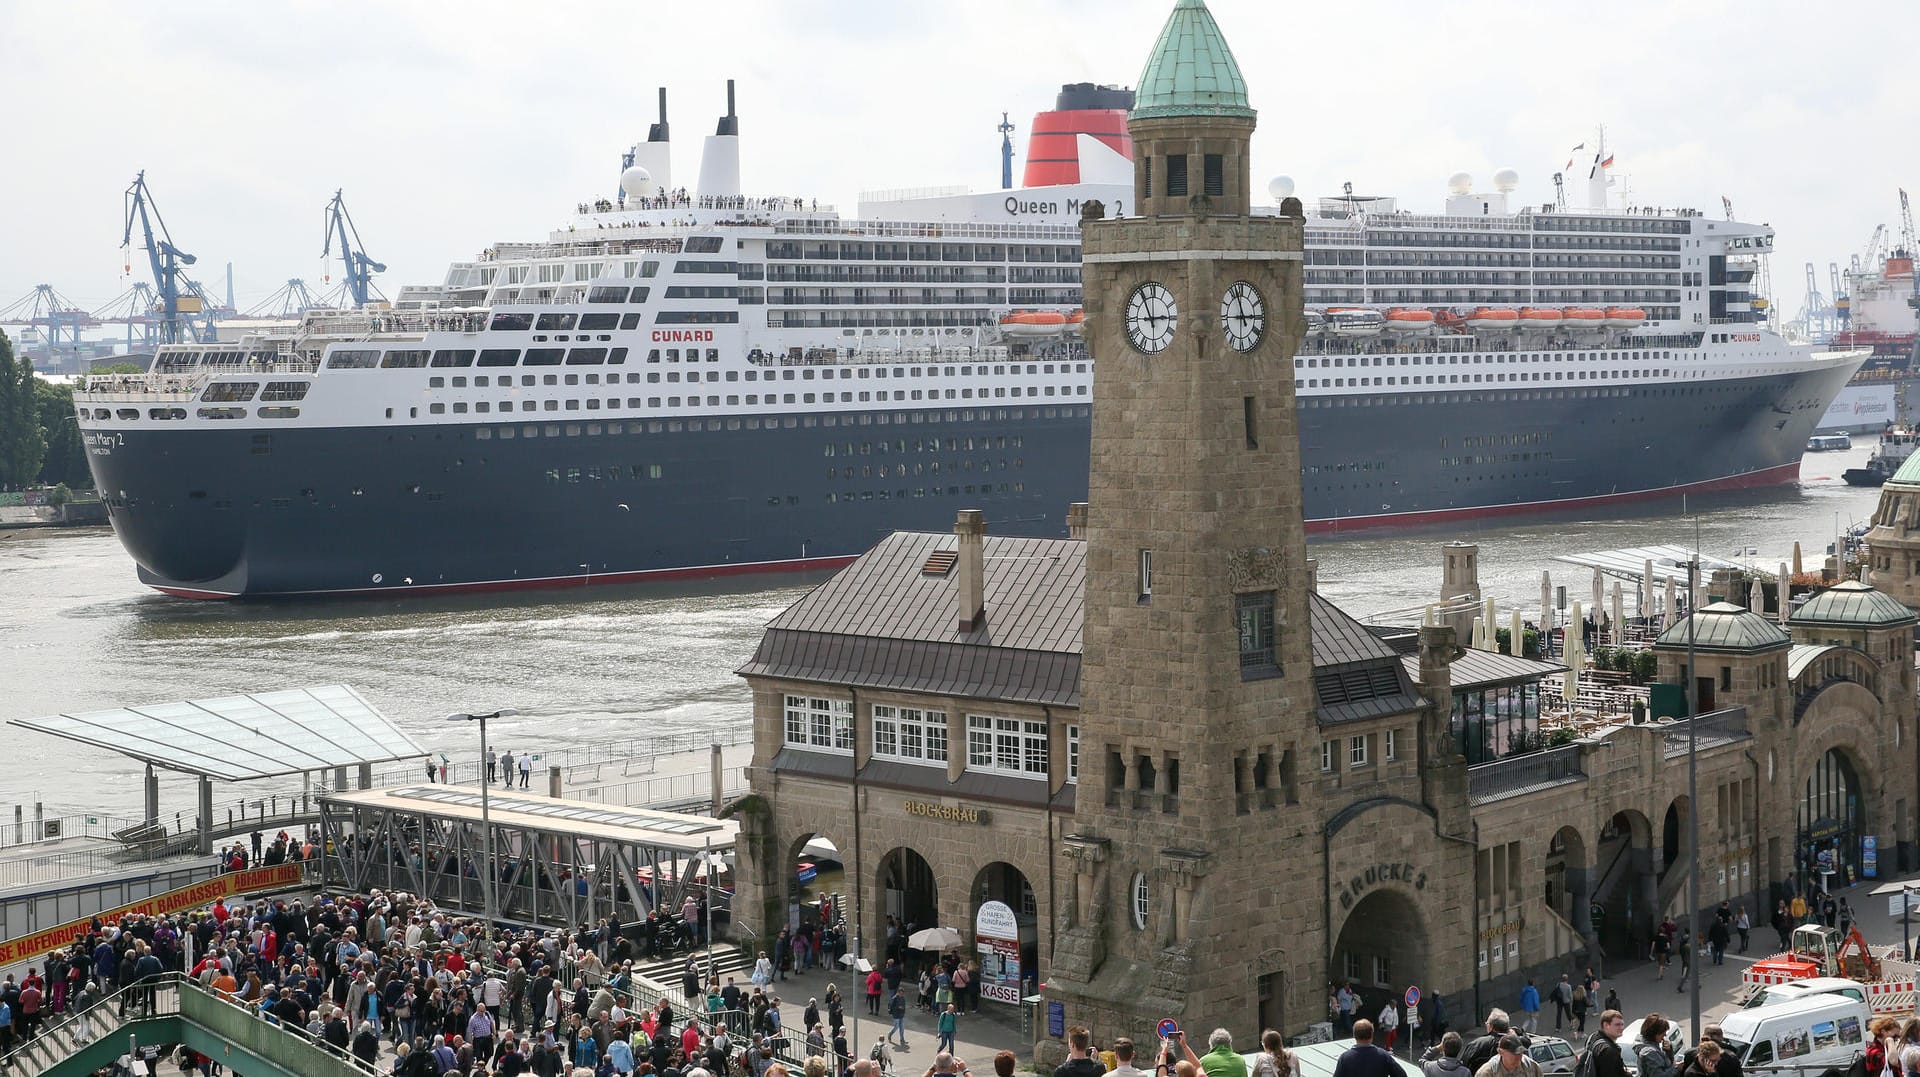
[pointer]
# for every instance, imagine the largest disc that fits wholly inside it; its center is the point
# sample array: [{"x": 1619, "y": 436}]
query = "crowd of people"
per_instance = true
[{"x": 411, "y": 990}]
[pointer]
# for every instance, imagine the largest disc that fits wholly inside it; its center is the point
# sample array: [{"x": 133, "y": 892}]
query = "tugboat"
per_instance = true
[{"x": 1894, "y": 448}]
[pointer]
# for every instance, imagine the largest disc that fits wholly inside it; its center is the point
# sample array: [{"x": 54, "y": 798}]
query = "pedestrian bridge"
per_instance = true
[{"x": 181, "y": 1011}]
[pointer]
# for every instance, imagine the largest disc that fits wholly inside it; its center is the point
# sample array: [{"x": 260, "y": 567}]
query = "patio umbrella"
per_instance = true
[
  {"x": 1646, "y": 590},
  {"x": 1599, "y": 592},
  {"x": 857, "y": 963},
  {"x": 1619, "y": 615},
  {"x": 934, "y": 938},
  {"x": 1796, "y": 559},
  {"x": 1516, "y": 634},
  {"x": 1479, "y": 634},
  {"x": 1785, "y": 584},
  {"x": 1546, "y": 602},
  {"x": 1668, "y": 618},
  {"x": 1492, "y": 642}
]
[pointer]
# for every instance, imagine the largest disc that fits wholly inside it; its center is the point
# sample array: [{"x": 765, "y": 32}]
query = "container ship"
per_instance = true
[
  {"x": 1877, "y": 314},
  {"x": 690, "y": 381}
]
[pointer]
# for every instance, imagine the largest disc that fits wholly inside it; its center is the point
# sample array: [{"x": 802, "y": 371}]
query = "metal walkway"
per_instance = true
[{"x": 170, "y": 1010}]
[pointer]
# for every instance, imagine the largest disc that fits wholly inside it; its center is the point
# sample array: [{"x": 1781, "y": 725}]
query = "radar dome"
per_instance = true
[
  {"x": 1280, "y": 187},
  {"x": 1506, "y": 180},
  {"x": 1460, "y": 183},
  {"x": 637, "y": 182}
]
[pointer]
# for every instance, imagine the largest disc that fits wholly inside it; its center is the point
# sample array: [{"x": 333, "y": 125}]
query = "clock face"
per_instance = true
[
  {"x": 1152, "y": 316},
  {"x": 1243, "y": 316}
]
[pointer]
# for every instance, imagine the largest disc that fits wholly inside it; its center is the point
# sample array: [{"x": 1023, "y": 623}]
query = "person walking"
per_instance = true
[
  {"x": 493, "y": 765},
  {"x": 1685, "y": 944},
  {"x": 1389, "y": 1026},
  {"x": 949, "y": 1025},
  {"x": 1529, "y": 1010},
  {"x": 897, "y": 1009},
  {"x": 1718, "y": 936},
  {"x": 1562, "y": 996},
  {"x": 1582, "y": 999},
  {"x": 1743, "y": 925},
  {"x": 526, "y": 769}
]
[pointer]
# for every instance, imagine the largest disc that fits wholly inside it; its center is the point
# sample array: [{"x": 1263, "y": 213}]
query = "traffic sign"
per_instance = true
[
  {"x": 1413, "y": 996},
  {"x": 1167, "y": 1028}
]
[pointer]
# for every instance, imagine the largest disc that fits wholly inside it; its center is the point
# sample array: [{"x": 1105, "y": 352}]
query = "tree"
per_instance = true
[
  {"x": 22, "y": 443},
  {"x": 66, "y": 457}
]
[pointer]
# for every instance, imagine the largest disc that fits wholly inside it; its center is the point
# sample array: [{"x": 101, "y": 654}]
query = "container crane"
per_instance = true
[
  {"x": 290, "y": 301},
  {"x": 178, "y": 298},
  {"x": 45, "y": 308},
  {"x": 134, "y": 308},
  {"x": 360, "y": 269}
]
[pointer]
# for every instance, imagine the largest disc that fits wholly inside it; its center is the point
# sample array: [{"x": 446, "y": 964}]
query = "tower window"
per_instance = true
[
  {"x": 1254, "y": 615},
  {"x": 1147, "y": 179},
  {"x": 1253, "y": 436},
  {"x": 1140, "y": 900},
  {"x": 1213, "y": 175},
  {"x": 1146, "y": 575},
  {"x": 1177, "y": 175}
]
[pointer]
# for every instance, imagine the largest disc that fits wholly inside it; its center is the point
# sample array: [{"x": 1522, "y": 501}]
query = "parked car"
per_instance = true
[{"x": 1554, "y": 1054}]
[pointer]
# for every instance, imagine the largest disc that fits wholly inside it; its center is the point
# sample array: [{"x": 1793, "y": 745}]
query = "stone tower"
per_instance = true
[{"x": 1197, "y": 658}]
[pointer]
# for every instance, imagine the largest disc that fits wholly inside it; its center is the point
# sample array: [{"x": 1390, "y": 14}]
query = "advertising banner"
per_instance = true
[
  {"x": 997, "y": 934},
  {"x": 233, "y": 883}
]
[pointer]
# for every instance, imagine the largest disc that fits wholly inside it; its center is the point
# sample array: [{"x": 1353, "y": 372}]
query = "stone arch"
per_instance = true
[
  {"x": 909, "y": 890},
  {"x": 828, "y": 875},
  {"x": 1622, "y": 884},
  {"x": 1003, "y": 882},
  {"x": 1566, "y": 867},
  {"x": 1674, "y": 847},
  {"x": 1383, "y": 947},
  {"x": 1834, "y": 809}
]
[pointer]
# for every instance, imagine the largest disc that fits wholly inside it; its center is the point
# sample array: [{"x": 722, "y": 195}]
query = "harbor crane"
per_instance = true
[
  {"x": 179, "y": 300},
  {"x": 135, "y": 308},
  {"x": 1909, "y": 247},
  {"x": 358, "y": 279},
  {"x": 46, "y": 309},
  {"x": 291, "y": 301}
]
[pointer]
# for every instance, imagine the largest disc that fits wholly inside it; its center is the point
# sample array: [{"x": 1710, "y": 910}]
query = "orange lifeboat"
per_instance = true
[
  {"x": 1585, "y": 318},
  {"x": 1625, "y": 317},
  {"x": 1033, "y": 323},
  {"x": 1493, "y": 318},
  {"x": 1540, "y": 318},
  {"x": 1076, "y": 320},
  {"x": 1408, "y": 320}
]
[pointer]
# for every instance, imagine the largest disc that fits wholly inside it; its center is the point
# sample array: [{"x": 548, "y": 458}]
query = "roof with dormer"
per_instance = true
[
  {"x": 1853, "y": 604},
  {"x": 1725, "y": 628},
  {"x": 1191, "y": 71}
]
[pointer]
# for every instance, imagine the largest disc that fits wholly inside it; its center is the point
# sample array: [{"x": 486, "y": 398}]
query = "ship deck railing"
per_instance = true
[
  {"x": 360, "y": 324},
  {"x": 924, "y": 229}
]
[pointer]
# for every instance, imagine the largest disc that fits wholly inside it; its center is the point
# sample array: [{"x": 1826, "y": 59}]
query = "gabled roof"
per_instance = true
[
  {"x": 1852, "y": 604},
  {"x": 1725, "y": 627},
  {"x": 1191, "y": 71}
]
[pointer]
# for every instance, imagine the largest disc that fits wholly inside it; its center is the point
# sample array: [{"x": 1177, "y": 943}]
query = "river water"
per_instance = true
[{"x": 78, "y": 632}]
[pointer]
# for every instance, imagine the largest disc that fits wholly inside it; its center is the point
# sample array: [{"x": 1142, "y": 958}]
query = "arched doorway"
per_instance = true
[
  {"x": 1566, "y": 872},
  {"x": 816, "y": 891},
  {"x": 909, "y": 898},
  {"x": 1622, "y": 887},
  {"x": 1831, "y": 821},
  {"x": 1673, "y": 836},
  {"x": 1006, "y": 936},
  {"x": 1382, "y": 950}
]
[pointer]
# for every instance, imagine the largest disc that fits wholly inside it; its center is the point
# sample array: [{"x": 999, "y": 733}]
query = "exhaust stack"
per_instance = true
[{"x": 720, "y": 158}]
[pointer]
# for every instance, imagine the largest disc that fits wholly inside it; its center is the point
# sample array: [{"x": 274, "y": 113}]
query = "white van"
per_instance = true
[
  {"x": 1799, "y": 1037},
  {"x": 1774, "y": 994}
]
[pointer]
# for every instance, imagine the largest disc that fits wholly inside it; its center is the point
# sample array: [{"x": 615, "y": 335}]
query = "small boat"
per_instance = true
[
  {"x": 1076, "y": 321},
  {"x": 1355, "y": 321},
  {"x": 1034, "y": 323},
  {"x": 1540, "y": 318},
  {"x": 1409, "y": 320},
  {"x": 1493, "y": 318},
  {"x": 1625, "y": 317},
  {"x": 1585, "y": 318},
  {"x": 1894, "y": 448},
  {"x": 1316, "y": 322},
  {"x": 1829, "y": 443}
]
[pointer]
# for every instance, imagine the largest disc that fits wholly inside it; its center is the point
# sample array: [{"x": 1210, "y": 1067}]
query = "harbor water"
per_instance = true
[{"x": 78, "y": 632}]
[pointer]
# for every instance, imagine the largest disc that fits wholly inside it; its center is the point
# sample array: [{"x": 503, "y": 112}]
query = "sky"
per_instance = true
[{"x": 452, "y": 126}]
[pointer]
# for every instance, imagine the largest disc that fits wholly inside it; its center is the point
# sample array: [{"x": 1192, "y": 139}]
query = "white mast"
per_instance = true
[{"x": 1597, "y": 176}]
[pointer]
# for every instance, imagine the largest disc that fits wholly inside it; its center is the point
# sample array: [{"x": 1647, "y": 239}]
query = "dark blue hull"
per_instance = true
[{"x": 224, "y": 513}]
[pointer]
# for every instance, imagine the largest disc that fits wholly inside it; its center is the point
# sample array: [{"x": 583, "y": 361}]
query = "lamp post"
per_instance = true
[
  {"x": 486, "y": 820},
  {"x": 1693, "y": 791}
]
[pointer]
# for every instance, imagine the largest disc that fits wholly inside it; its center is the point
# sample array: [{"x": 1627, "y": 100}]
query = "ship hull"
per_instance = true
[{"x": 217, "y": 514}]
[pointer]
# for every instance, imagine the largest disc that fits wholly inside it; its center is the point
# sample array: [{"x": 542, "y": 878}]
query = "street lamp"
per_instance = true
[
  {"x": 486, "y": 821},
  {"x": 1693, "y": 777}
]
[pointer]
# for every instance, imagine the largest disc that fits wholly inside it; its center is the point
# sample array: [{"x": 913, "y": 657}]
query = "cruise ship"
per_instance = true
[{"x": 692, "y": 381}]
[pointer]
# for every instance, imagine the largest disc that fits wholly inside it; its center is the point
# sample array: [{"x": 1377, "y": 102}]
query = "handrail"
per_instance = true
[{"x": 60, "y": 1040}]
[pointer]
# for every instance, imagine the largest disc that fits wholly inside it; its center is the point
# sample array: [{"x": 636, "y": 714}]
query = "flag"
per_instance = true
[
  {"x": 1608, "y": 163},
  {"x": 1571, "y": 158}
]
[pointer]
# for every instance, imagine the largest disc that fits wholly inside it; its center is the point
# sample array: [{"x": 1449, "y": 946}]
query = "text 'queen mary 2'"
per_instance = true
[{"x": 697, "y": 382}]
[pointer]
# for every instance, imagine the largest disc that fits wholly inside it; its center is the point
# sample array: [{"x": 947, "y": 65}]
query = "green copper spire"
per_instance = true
[{"x": 1191, "y": 71}]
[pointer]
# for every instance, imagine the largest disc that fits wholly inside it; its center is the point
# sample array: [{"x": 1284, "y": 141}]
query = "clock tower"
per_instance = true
[{"x": 1186, "y": 894}]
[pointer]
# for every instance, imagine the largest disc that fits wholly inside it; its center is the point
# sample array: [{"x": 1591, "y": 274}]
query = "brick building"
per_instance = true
[{"x": 1207, "y": 793}]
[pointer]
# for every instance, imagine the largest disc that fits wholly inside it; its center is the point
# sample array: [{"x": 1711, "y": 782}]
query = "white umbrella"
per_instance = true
[
  {"x": 1479, "y": 634},
  {"x": 1646, "y": 590},
  {"x": 859, "y": 964},
  {"x": 1619, "y": 615},
  {"x": 1492, "y": 642},
  {"x": 1669, "y": 616},
  {"x": 1599, "y": 592},
  {"x": 1546, "y": 601},
  {"x": 934, "y": 938},
  {"x": 1516, "y": 633}
]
